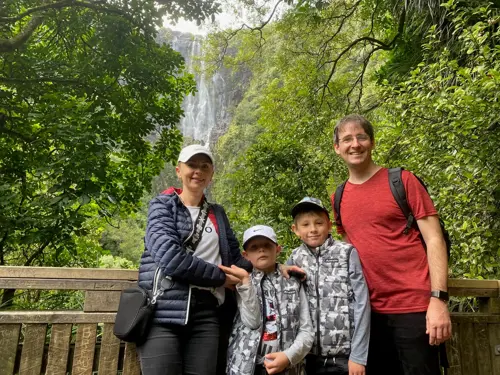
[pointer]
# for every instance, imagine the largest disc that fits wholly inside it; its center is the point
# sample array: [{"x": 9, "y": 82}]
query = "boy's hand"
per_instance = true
[
  {"x": 355, "y": 368},
  {"x": 285, "y": 269},
  {"x": 237, "y": 273},
  {"x": 276, "y": 362}
]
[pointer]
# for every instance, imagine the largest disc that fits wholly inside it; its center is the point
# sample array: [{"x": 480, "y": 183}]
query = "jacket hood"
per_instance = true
[{"x": 171, "y": 190}]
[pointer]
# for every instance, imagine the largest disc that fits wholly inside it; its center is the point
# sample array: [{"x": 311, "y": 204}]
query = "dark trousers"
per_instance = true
[
  {"x": 400, "y": 346},
  {"x": 226, "y": 317},
  {"x": 172, "y": 349},
  {"x": 326, "y": 366}
]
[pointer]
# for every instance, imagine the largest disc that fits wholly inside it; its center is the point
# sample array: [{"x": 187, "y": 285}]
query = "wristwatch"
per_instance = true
[{"x": 440, "y": 294}]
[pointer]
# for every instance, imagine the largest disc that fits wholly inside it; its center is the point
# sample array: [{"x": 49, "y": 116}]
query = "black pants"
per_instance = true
[
  {"x": 226, "y": 317},
  {"x": 326, "y": 366},
  {"x": 172, "y": 349},
  {"x": 400, "y": 346}
]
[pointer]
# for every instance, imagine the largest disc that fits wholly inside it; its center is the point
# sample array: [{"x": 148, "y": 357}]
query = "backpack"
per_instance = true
[{"x": 399, "y": 194}]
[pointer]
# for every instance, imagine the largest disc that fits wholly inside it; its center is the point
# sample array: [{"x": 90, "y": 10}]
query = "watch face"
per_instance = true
[{"x": 442, "y": 295}]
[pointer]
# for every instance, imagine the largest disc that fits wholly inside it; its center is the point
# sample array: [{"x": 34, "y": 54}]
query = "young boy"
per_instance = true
[
  {"x": 272, "y": 332},
  {"x": 336, "y": 291}
]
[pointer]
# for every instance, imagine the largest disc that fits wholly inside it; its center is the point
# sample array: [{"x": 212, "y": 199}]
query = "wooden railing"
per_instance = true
[
  {"x": 24, "y": 334},
  {"x": 45, "y": 342},
  {"x": 474, "y": 348}
]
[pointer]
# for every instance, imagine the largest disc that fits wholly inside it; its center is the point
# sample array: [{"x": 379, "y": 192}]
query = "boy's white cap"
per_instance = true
[
  {"x": 189, "y": 151},
  {"x": 259, "y": 230}
]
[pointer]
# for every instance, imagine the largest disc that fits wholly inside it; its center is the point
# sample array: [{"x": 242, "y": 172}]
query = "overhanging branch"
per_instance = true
[
  {"x": 40, "y": 80},
  {"x": 377, "y": 45},
  {"x": 8, "y": 45},
  {"x": 66, "y": 4}
]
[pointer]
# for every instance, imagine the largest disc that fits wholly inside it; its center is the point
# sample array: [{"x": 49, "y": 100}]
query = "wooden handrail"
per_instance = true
[
  {"x": 67, "y": 273},
  {"x": 55, "y": 278}
]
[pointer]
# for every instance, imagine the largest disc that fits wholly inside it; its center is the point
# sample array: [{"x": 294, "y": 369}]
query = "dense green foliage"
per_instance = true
[
  {"x": 78, "y": 99},
  {"x": 425, "y": 74},
  {"x": 446, "y": 120},
  {"x": 84, "y": 88}
]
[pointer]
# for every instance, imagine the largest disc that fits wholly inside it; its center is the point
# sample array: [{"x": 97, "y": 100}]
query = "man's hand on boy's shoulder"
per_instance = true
[
  {"x": 290, "y": 270},
  {"x": 355, "y": 368},
  {"x": 276, "y": 362},
  {"x": 240, "y": 274}
]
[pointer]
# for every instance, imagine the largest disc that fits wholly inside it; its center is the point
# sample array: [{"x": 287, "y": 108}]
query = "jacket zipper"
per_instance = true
[
  {"x": 318, "y": 321},
  {"x": 259, "y": 346},
  {"x": 190, "y": 235},
  {"x": 278, "y": 312}
]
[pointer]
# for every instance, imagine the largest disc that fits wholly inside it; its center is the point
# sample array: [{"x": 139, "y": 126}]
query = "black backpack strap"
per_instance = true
[
  {"x": 336, "y": 203},
  {"x": 399, "y": 193}
]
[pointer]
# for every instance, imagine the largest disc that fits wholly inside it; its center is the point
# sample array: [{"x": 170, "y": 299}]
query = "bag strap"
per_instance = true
[
  {"x": 193, "y": 241},
  {"x": 336, "y": 203},
  {"x": 223, "y": 243},
  {"x": 399, "y": 193}
]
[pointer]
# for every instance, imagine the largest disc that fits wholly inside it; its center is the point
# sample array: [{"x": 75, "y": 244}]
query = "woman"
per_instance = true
[{"x": 187, "y": 238}]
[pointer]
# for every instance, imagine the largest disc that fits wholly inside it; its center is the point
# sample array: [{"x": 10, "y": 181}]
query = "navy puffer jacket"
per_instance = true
[{"x": 169, "y": 226}]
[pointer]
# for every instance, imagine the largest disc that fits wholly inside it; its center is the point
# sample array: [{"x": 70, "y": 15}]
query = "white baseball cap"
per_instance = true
[
  {"x": 189, "y": 151},
  {"x": 259, "y": 231}
]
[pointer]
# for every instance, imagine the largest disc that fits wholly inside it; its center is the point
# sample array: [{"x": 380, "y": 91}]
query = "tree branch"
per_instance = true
[
  {"x": 5, "y": 130},
  {"x": 8, "y": 45},
  {"x": 40, "y": 80},
  {"x": 378, "y": 44},
  {"x": 341, "y": 26},
  {"x": 65, "y": 4}
]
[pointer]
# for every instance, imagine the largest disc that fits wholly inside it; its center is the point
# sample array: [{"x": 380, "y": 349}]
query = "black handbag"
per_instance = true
[{"x": 135, "y": 312}]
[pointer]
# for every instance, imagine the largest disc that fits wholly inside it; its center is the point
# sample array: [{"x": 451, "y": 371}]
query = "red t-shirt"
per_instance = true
[{"x": 395, "y": 264}]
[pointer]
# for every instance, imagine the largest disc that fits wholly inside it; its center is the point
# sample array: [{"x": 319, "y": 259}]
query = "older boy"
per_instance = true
[
  {"x": 336, "y": 291},
  {"x": 272, "y": 332}
]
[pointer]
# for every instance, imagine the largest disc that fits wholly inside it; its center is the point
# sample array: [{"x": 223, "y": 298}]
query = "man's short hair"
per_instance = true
[{"x": 358, "y": 119}]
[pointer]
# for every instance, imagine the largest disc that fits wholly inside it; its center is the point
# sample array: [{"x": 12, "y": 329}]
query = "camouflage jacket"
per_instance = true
[
  {"x": 330, "y": 295},
  {"x": 292, "y": 318}
]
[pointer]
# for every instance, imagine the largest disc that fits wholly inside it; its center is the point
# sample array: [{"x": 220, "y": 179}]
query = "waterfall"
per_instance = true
[
  {"x": 208, "y": 106},
  {"x": 207, "y": 113}
]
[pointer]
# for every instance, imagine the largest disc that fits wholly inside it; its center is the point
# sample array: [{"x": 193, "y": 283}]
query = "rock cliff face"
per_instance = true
[{"x": 208, "y": 113}]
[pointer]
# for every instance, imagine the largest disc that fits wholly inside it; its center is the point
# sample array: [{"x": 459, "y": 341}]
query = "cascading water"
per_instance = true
[{"x": 207, "y": 109}]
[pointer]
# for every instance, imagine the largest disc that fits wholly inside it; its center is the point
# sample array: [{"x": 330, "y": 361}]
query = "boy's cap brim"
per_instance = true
[
  {"x": 309, "y": 204},
  {"x": 259, "y": 231},
  {"x": 189, "y": 151}
]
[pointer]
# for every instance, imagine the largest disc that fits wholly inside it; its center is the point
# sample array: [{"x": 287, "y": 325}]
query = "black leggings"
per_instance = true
[{"x": 172, "y": 349}]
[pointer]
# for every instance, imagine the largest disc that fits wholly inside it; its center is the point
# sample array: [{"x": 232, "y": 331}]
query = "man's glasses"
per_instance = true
[{"x": 349, "y": 139}]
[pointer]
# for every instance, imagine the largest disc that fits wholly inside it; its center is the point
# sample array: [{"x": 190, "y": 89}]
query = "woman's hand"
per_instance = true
[
  {"x": 285, "y": 270},
  {"x": 235, "y": 273}
]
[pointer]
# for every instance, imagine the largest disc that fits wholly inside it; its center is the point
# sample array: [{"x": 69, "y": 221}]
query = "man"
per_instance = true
[{"x": 407, "y": 281}]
